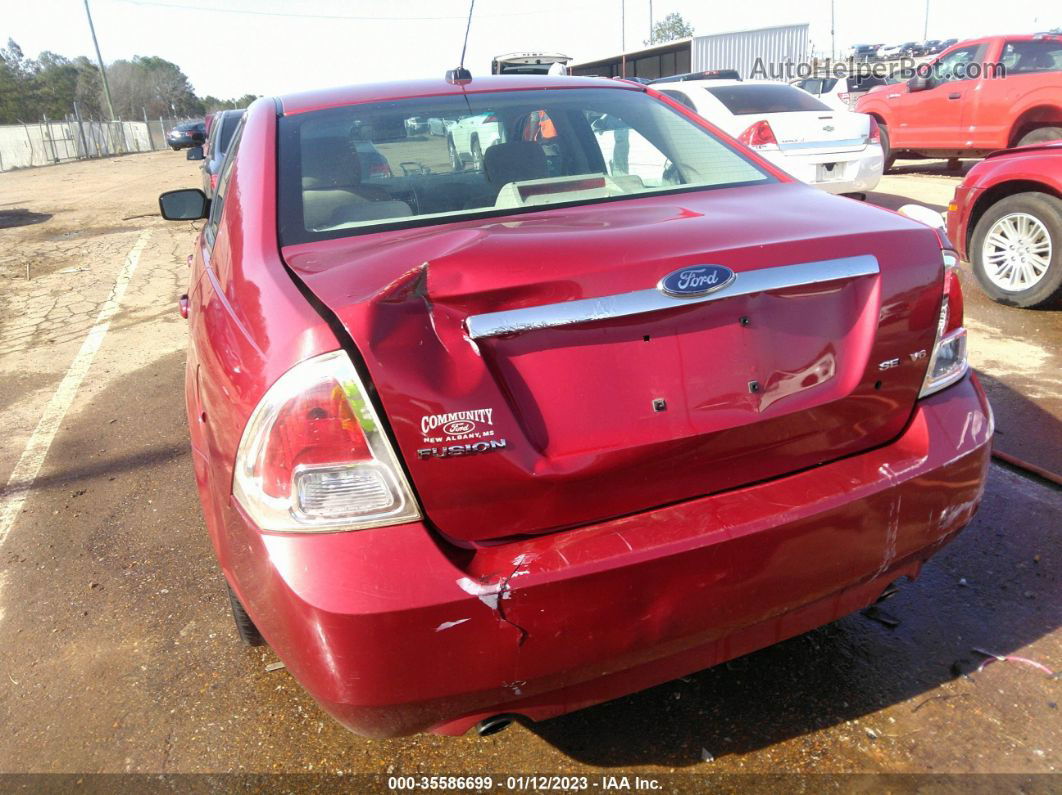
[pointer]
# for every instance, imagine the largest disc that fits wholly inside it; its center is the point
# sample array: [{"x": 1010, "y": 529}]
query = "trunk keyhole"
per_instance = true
[
  {"x": 744, "y": 320},
  {"x": 645, "y": 338},
  {"x": 754, "y": 387},
  {"x": 659, "y": 404}
]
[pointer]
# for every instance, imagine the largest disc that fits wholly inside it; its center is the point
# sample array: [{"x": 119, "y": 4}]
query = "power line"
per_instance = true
[{"x": 258, "y": 13}]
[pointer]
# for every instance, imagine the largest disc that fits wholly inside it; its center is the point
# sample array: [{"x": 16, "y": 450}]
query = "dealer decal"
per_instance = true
[{"x": 457, "y": 425}]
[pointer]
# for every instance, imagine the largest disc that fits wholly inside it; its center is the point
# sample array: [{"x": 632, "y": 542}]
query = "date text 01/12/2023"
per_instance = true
[{"x": 530, "y": 783}]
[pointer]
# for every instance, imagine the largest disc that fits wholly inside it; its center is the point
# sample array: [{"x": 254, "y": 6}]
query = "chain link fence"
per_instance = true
[{"x": 47, "y": 142}]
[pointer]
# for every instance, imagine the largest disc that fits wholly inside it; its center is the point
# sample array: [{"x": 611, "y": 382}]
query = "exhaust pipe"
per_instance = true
[{"x": 494, "y": 724}]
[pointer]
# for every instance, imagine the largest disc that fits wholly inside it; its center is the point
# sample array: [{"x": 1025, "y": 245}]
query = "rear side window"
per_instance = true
[
  {"x": 413, "y": 162},
  {"x": 217, "y": 204},
  {"x": 750, "y": 98},
  {"x": 1023, "y": 57},
  {"x": 228, "y": 127},
  {"x": 678, "y": 96}
]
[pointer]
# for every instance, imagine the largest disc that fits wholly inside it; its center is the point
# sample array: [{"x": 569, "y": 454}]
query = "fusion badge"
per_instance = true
[
  {"x": 452, "y": 450},
  {"x": 696, "y": 280}
]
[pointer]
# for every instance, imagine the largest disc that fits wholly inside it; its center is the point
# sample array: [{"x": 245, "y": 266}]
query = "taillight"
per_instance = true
[
  {"x": 313, "y": 457},
  {"x": 874, "y": 136},
  {"x": 213, "y": 182},
  {"x": 844, "y": 98},
  {"x": 380, "y": 169},
  {"x": 948, "y": 362},
  {"x": 759, "y": 136}
]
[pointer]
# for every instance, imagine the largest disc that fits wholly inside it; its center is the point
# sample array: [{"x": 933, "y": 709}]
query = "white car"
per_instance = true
[
  {"x": 470, "y": 137},
  {"x": 891, "y": 52},
  {"x": 836, "y": 150}
]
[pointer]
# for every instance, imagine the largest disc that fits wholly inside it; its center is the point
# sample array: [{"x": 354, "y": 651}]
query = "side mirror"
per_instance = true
[
  {"x": 918, "y": 84},
  {"x": 922, "y": 214},
  {"x": 188, "y": 204},
  {"x": 194, "y": 153}
]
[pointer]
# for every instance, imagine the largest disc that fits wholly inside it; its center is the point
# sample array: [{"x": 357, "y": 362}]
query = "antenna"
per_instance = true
[{"x": 460, "y": 74}]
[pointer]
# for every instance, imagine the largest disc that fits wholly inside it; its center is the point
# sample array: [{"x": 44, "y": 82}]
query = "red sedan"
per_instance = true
[
  {"x": 1006, "y": 220},
  {"x": 524, "y": 435}
]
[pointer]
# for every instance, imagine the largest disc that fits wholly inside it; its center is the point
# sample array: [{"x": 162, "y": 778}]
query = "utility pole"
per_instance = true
[
  {"x": 833, "y": 38},
  {"x": 99, "y": 60},
  {"x": 925, "y": 29},
  {"x": 623, "y": 26},
  {"x": 650, "y": 22}
]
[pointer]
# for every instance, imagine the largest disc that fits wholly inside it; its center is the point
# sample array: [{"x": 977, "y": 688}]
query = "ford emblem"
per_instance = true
[
  {"x": 696, "y": 280},
  {"x": 459, "y": 427}
]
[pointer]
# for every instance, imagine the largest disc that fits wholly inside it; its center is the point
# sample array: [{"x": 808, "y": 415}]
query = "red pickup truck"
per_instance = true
[{"x": 975, "y": 97}]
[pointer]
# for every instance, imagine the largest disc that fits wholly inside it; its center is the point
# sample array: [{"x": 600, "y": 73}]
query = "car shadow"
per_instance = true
[
  {"x": 935, "y": 168},
  {"x": 973, "y": 594},
  {"x": 20, "y": 216},
  {"x": 892, "y": 201}
]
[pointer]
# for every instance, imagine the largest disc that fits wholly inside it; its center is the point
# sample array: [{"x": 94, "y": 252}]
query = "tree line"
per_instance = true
[{"x": 50, "y": 84}]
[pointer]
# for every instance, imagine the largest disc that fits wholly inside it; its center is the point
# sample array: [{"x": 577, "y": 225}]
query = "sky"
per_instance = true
[{"x": 233, "y": 47}]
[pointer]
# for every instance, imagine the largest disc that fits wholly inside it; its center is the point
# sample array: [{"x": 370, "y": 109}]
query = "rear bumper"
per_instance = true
[
  {"x": 853, "y": 172},
  {"x": 394, "y": 632}
]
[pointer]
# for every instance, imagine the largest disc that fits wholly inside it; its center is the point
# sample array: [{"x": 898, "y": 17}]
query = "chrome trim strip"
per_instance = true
[
  {"x": 565, "y": 313},
  {"x": 849, "y": 142}
]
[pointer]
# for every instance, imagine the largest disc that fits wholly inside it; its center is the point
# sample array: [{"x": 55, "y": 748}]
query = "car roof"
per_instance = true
[
  {"x": 1048, "y": 147},
  {"x": 291, "y": 104},
  {"x": 715, "y": 84},
  {"x": 1009, "y": 37}
]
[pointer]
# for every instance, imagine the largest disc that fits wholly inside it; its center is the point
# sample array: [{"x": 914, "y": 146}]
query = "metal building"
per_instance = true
[{"x": 738, "y": 50}]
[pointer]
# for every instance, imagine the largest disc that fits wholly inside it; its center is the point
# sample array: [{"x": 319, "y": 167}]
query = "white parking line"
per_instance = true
[{"x": 29, "y": 463}]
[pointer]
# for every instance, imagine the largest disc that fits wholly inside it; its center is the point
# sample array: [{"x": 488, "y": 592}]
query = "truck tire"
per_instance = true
[
  {"x": 1016, "y": 250},
  {"x": 245, "y": 627},
  {"x": 1041, "y": 134},
  {"x": 886, "y": 149}
]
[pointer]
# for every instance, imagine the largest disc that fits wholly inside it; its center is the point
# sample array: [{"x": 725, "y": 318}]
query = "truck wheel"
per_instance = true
[
  {"x": 886, "y": 150},
  {"x": 1016, "y": 250},
  {"x": 245, "y": 628},
  {"x": 1041, "y": 134}
]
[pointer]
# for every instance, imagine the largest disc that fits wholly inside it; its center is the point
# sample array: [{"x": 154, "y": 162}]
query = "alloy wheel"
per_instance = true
[{"x": 1016, "y": 252}]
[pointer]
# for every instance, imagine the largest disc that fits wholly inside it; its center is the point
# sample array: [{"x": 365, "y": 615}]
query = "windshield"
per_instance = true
[
  {"x": 749, "y": 98},
  {"x": 354, "y": 169}
]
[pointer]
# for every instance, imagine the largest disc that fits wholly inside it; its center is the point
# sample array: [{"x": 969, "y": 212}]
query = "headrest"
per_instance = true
[
  {"x": 515, "y": 161},
  {"x": 329, "y": 163}
]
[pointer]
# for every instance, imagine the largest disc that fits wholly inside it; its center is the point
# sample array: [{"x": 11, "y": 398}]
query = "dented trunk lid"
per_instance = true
[{"x": 521, "y": 429}]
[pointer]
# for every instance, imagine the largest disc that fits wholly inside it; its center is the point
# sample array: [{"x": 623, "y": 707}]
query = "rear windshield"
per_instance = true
[
  {"x": 359, "y": 168},
  {"x": 190, "y": 126},
  {"x": 767, "y": 98}
]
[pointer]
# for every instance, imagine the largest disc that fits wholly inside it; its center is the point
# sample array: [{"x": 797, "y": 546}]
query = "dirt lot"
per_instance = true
[{"x": 116, "y": 647}]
